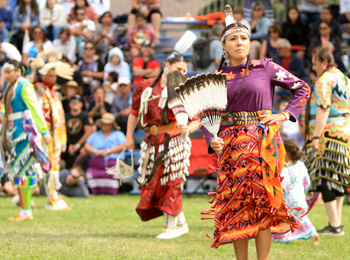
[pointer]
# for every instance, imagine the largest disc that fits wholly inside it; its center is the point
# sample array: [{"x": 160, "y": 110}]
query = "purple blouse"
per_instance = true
[{"x": 258, "y": 90}]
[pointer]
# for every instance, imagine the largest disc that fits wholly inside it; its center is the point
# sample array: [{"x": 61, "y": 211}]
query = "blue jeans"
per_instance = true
[
  {"x": 310, "y": 18},
  {"x": 4, "y": 35},
  {"x": 54, "y": 33}
]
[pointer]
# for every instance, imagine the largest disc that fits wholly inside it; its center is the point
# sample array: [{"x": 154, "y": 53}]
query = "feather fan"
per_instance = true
[
  {"x": 11, "y": 51},
  {"x": 185, "y": 42},
  {"x": 204, "y": 97},
  {"x": 229, "y": 19},
  {"x": 174, "y": 102}
]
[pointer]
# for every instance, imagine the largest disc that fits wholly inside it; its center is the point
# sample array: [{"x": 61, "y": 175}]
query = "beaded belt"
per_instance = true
[{"x": 240, "y": 118}]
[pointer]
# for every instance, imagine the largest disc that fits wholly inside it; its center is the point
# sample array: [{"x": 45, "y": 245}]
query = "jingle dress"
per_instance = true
[
  {"x": 295, "y": 183},
  {"x": 331, "y": 164},
  {"x": 249, "y": 194},
  {"x": 165, "y": 158},
  {"x": 25, "y": 123}
]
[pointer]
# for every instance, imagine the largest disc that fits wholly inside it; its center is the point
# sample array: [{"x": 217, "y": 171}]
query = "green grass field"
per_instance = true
[{"x": 107, "y": 227}]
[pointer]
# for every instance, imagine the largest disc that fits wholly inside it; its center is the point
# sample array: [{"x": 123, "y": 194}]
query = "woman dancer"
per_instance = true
[
  {"x": 249, "y": 197},
  {"x": 20, "y": 136},
  {"x": 165, "y": 153},
  {"x": 295, "y": 183},
  {"x": 328, "y": 138}
]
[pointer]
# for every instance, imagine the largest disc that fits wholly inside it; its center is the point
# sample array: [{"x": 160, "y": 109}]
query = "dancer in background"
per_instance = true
[
  {"x": 249, "y": 198},
  {"x": 328, "y": 138},
  {"x": 295, "y": 183},
  {"x": 165, "y": 153},
  {"x": 52, "y": 109},
  {"x": 20, "y": 135}
]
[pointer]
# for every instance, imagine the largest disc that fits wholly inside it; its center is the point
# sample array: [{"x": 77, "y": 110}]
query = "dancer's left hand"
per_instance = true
[
  {"x": 272, "y": 118},
  {"x": 315, "y": 145}
]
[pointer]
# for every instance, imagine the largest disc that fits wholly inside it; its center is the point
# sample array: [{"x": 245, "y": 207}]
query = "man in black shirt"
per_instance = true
[{"x": 79, "y": 128}]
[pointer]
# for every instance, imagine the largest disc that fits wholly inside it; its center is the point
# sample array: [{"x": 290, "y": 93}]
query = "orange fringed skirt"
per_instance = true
[{"x": 249, "y": 195}]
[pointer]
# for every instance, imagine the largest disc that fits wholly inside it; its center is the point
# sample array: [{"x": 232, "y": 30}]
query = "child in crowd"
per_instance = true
[
  {"x": 111, "y": 86},
  {"x": 116, "y": 63},
  {"x": 295, "y": 183}
]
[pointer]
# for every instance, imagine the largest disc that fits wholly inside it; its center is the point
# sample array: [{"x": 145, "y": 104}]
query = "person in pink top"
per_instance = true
[{"x": 90, "y": 12}]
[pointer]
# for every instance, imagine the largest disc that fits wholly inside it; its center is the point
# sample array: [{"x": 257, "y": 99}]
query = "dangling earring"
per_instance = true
[
  {"x": 324, "y": 68},
  {"x": 166, "y": 71},
  {"x": 225, "y": 53}
]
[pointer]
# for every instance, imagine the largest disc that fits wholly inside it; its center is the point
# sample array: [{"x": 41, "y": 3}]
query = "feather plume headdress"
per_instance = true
[
  {"x": 11, "y": 51},
  {"x": 205, "y": 98},
  {"x": 229, "y": 19}
]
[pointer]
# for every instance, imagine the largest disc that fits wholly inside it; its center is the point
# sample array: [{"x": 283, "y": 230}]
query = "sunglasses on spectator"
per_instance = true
[
  {"x": 257, "y": 9},
  {"x": 272, "y": 31},
  {"x": 88, "y": 48},
  {"x": 323, "y": 28}
]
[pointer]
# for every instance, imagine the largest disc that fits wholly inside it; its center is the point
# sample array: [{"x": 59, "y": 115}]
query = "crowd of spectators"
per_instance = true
[{"x": 110, "y": 59}]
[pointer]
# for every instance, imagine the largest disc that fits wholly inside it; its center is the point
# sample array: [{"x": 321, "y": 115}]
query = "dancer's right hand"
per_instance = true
[
  {"x": 129, "y": 144},
  {"x": 47, "y": 138},
  {"x": 217, "y": 145}
]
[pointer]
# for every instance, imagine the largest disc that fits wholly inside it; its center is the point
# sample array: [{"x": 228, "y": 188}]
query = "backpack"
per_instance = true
[{"x": 201, "y": 53}]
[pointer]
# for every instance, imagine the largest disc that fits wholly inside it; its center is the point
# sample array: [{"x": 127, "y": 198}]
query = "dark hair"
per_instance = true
[
  {"x": 239, "y": 25},
  {"x": 138, "y": 15},
  {"x": 76, "y": 7},
  {"x": 328, "y": 8},
  {"x": 323, "y": 54},
  {"x": 65, "y": 30},
  {"x": 42, "y": 30},
  {"x": 103, "y": 15},
  {"x": 276, "y": 27},
  {"x": 7, "y": 99},
  {"x": 114, "y": 75},
  {"x": 292, "y": 148},
  {"x": 91, "y": 42},
  {"x": 33, "y": 5},
  {"x": 258, "y": 3},
  {"x": 99, "y": 87},
  {"x": 299, "y": 20},
  {"x": 328, "y": 24}
]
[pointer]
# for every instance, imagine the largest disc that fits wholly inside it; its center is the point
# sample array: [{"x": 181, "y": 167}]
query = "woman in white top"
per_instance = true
[
  {"x": 52, "y": 19},
  {"x": 66, "y": 44},
  {"x": 37, "y": 44}
]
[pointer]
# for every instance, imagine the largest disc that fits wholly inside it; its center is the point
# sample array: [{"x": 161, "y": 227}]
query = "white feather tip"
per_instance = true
[
  {"x": 11, "y": 51},
  {"x": 185, "y": 42},
  {"x": 228, "y": 15}
]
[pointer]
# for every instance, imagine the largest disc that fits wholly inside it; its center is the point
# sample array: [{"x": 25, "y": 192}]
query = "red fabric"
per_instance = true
[
  {"x": 139, "y": 63},
  {"x": 285, "y": 62},
  {"x": 200, "y": 159}
]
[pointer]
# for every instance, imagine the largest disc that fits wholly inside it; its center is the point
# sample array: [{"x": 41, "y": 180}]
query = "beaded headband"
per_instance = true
[
  {"x": 235, "y": 30},
  {"x": 9, "y": 66}
]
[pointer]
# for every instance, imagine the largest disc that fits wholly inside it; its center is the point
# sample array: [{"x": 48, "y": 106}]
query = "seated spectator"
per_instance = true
[
  {"x": 79, "y": 128},
  {"x": 239, "y": 16},
  {"x": 310, "y": 10},
  {"x": 84, "y": 4},
  {"x": 288, "y": 59},
  {"x": 98, "y": 107},
  {"x": 122, "y": 102},
  {"x": 5, "y": 21},
  {"x": 344, "y": 17},
  {"x": 70, "y": 89},
  {"x": 7, "y": 188},
  {"x": 150, "y": 9},
  {"x": 73, "y": 183},
  {"x": 116, "y": 63},
  {"x": 100, "y": 6},
  {"x": 37, "y": 44},
  {"x": 268, "y": 47},
  {"x": 111, "y": 86},
  {"x": 326, "y": 16},
  {"x": 104, "y": 147},
  {"x": 52, "y": 19},
  {"x": 90, "y": 67},
  {"x": 140, "y": 34},
  {"x": 25, "y": 17},
  {"x": 66, "y": 44},
  {"x": 105, "y": 34},
  {"x": 267, "y": 6},
  {"x": 296, "y": 31},
  {"x": 215, "y": 49},
  {"x": 259, "y": 28},
  {"x": 325, "y": 34},
  {"x": 146, "y": 66},
  {"x": 83, "y": 29}
]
